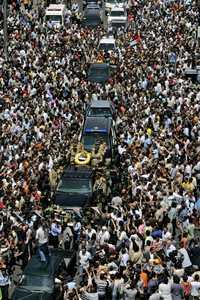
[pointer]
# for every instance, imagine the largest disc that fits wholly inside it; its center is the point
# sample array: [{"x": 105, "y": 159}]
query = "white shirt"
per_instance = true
[
  {"x": 186, "y": 259},
  {"x": 124, "y": 259},
  {"x": 104, "y": 237},
  {"x": 195, "y": 288},
  {"x": 84, "y": 258},
  {"x": 41, "y": 236}
]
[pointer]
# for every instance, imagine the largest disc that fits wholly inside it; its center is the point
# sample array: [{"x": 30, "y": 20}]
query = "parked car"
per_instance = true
[
  {"x": 91, "y": 17},
  {"x": 98, "y": 130},
  {"x": 99, "y": 72},
  {"x": 75, "y": 188},
  {"x": 100, "y": 108},
  {"x": 38, "y": 281}
]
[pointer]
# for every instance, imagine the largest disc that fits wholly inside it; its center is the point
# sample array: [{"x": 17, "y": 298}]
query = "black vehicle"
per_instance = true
[
  {"x": 99, "y": 72},
  {"x": 86, "y": 2},
  {"x": 193, "y": 74},
  {"x": 98, "y": 130},
  {"x": 75, "y": 188},
  {"x": 38, "y": 281},
  {"x": 100, "y": 108},
  {"x": 91, "y": 18}
]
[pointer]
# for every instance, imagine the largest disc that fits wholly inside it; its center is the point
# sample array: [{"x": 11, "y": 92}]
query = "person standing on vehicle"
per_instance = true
[
  {"x": 42, "y": 241},
  {"x": 55, "y": 231}
]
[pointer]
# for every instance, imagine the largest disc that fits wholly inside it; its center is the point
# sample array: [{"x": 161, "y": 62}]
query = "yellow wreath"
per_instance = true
[{"x": 82, "y": 158}]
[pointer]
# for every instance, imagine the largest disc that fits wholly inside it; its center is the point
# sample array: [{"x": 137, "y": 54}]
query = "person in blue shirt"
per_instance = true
[{"x": 55, "y": 231}]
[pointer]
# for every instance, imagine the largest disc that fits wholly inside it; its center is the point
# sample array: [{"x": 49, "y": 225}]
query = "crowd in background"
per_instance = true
[{"x": 142, "y": 242}]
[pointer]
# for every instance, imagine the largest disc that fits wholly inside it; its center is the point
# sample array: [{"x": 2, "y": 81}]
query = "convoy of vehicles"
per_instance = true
[{"x": 75, "y": 188}]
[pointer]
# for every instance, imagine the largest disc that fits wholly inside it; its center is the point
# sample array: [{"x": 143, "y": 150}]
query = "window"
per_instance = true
[
  {"x": 100, "y": 112},
  {"x": 117, "y": 14},
  {"x": 91, "y": 139},
  {"x": 78, "y": 185},
  {"x": 107, "y": 47},
  {"x": 54, "y": 18}
]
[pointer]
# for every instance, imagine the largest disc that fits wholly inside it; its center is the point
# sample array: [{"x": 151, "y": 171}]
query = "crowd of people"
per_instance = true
[{"x": 142, "y": 243}]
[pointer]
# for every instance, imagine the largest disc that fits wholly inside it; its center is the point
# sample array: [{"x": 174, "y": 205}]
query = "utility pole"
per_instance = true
[{"x": 5, "y": 29}]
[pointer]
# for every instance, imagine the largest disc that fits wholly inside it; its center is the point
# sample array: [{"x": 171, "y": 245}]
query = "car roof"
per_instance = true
[
  {"x": 35, "y": 266},
  {"x": 97, "y": 124},
  {"x": 99, "y": 65},
  {"x": 92, "y": 12},
  {"x": 108, "y": 40},
  {"x": 117, "y": 8},
  {"x": 56, "y": 6},
  {"x": 77, "y": 172},
  {"x": 100, "y": 104},
  {"x": 93, "y": 5}
]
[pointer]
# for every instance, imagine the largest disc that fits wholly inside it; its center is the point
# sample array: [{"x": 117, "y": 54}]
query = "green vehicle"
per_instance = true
[{"x": 38, "y": 281}]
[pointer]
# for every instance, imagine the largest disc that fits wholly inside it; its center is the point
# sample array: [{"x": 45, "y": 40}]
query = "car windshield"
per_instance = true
[
  {"x": 117, "y": 14},
  {"x": 54, "y": 18},
  {"x": 70, "y": 185},
  {"x": 96, "y": 72},
  {"x": 91, "y": 139},
  {"x": 106, "y": 46},
  {"x": 99, "y": 112},
  {"x": 118, "y": 25},
  {"x": 38, "y": 281},
  {"x": 93, "y": 18},
  {"x": 93, "y": 6}
]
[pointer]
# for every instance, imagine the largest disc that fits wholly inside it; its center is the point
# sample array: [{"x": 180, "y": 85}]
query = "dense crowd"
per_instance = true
[{"x": 142, "y": 242}]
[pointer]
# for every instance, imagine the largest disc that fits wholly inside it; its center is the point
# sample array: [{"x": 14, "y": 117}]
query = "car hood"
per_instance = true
[
  {"x": 91, "y": 22},
  {"x": 112, "y": 5},
  {"x": 98, "y": 78},
  {"x": 110, "y": 19},
  {"x": 28, "y": 293},
  {"x": 71, "y": 199}
]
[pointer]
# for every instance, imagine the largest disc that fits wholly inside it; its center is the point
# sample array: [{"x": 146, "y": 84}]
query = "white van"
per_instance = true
[
  {"x": 110, "y": 4},
  {"x": 56, "y": 14},
  {"x": 107, "y": 43}
]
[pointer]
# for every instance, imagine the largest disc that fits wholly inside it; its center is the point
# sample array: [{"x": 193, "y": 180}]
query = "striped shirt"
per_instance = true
[{"x": 101, "y": 286}]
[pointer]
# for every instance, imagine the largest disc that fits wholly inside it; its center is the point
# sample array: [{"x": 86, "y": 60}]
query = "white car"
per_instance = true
[
  {"x": 56, "y": 14},
  {"x": 117, "y": 14},
  {"x": 107, "y": 43},
  {"x": 110, "y": 4}
]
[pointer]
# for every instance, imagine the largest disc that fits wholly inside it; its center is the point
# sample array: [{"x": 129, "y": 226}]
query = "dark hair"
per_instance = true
[
  {"x": 185, "y": 278},
  {"x": 165, "y": 280},
  {"x": 148, "y": 243},
  {"x": 196, "y": 277},
  {"x": 147, "y": 232},
  {"x": 135, "y": 246},
  {"x": 176, "y": 279}
]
